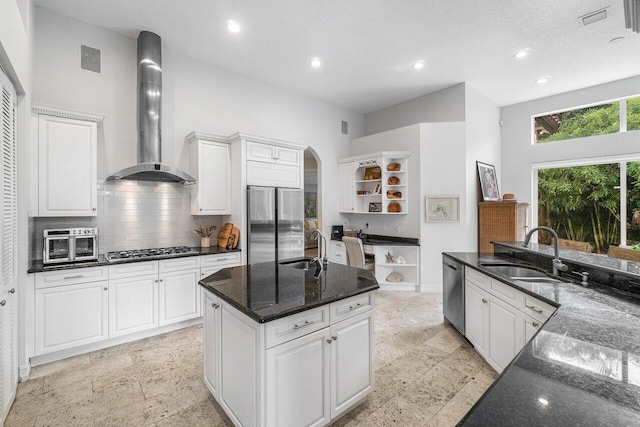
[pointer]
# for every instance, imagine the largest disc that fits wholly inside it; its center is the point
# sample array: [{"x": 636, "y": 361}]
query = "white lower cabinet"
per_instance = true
[
  {"x": 179, "y": 296},
  {"x": 261, "y": 378},
  {"x": 133, "y": 304},
  {"x": 337, "y": 252},
  {"x": 290, "y": 401},
  {"x": 70, "y": 316},
  {"x": 498, "y": 329}
]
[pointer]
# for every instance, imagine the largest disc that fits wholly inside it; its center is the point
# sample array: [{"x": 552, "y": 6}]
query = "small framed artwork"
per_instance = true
[
  {"x": 377, "y": 189},
  {"x": 488, "y": 182},
  {"x": 443, "y": 208},
  {"x": 375, "y": 207}
]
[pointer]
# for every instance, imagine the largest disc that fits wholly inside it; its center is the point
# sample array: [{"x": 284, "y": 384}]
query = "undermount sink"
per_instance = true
[
  {"x": 300, "y": 263},
  {"x": 516, "y": 272}
]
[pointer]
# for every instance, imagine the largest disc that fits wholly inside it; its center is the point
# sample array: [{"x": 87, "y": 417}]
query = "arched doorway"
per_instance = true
[{"x": 312, "y": 200}]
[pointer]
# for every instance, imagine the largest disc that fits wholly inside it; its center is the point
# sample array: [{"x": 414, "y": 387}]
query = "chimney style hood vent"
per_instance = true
[{"x": 150, "y": 167}]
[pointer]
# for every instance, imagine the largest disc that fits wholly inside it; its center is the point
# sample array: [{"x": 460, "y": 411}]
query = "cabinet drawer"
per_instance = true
[
  {"x": 537, "y": 309},
  {"x": 177, "y": 264},
  {"x": 296, "y": 325},
  {"x": 120, "y": 271},
  {"x": 350, "y": 307},
  {"x": 70, "y": 277},
  {"x": 506, "y": 293},
  {"x": 477, "y": 278},
  {"x": 216, "y": 260}
]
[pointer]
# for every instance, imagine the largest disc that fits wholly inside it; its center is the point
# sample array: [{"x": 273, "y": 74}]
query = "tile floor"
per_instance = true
[{"x": 426, "y": 375}]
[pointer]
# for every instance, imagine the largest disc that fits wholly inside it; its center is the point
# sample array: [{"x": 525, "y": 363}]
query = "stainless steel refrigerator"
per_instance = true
[{"x": 275, "y": 226}]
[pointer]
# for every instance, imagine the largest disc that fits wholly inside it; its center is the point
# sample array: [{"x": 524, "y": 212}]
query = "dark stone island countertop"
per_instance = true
[
  {"x": 581, "y": 368},
  {"x": 268, "y": 290},
  {"x": 38, "y": 267}
]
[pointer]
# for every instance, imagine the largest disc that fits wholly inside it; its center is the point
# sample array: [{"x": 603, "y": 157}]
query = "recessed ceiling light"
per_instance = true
[
  {"x": 542, "y": 80},
  {"x": 418, "y": 65},
  {"x": 521, "y": 54},
  {"x": 616, "y": 39},
  {"x": 233, "y": 26},
  {"x": 315, "y": 62}
]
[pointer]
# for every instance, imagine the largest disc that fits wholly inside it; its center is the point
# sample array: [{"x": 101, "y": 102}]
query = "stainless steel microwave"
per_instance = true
[{"x": 70, "y": 245}]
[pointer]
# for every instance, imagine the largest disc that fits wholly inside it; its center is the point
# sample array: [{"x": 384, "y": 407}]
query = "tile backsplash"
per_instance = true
[{"x": 135, "y": 215}]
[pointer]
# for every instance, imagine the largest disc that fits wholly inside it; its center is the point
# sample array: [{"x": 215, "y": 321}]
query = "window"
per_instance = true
[
  {"x": 587, "y": 121},
  {"x": 596, "y": 203}
]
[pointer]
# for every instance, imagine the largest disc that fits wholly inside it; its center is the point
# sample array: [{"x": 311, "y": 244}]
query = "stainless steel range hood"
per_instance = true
[{"x": 150, "y": 167}]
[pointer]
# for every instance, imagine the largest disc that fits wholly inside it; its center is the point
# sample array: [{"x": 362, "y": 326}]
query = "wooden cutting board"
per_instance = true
[
  {"x": 223, "y": 235},
  {"x": 236, "y": 236}
]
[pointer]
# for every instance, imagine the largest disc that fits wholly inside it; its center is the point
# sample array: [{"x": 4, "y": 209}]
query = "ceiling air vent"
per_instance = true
[
  {"x": 592, "y": 17},
  {"x": 632, "y": 14}
]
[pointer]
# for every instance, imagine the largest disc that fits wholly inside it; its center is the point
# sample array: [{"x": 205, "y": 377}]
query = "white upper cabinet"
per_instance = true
[
  {"x": 211, "y": 166},
  {"x": 348, "y": 187},
  {"x": 67, "y": 162},
  {"x": 272, "y": 163}
]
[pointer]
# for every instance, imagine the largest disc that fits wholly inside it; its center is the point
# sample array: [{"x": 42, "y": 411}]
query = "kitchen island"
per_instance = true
[
  {"x": 287, "y": 343},
  {"x": 582, "y": 366}
]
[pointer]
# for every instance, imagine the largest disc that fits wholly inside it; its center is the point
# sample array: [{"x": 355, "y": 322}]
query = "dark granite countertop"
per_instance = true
[
  {"x": 38, "y": 267},
  {"x": 377, "y": 240},
  {"x": 581, "y": 368},
  {"x": 267, "y": 291}
]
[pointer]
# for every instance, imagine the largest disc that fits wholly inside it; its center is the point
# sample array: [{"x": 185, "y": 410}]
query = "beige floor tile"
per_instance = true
[
  {"x": 426, "y": 374},
  {"x": 61, "y": 365},
  {"x": 448, "y": 340},
  {"x": 206, "y": 413}
]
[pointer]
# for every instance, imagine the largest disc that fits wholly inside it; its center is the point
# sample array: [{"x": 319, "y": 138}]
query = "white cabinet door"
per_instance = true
[
  {"x": 476, "y": 312},
  {"x": 347, "y": 187},
  {"x": 506, "y": 338},
  {"x": 261, "y": 152},
  {"x": 297, "y": 391},
  {"x": 133, "y": 304},
  {"x": 179, "y": 296},
  {"x": 352, "y": 360},
  {"x": 211, "y": 195},
  {"x": 530, "y": 327},
  {"x": 288, "y": 156},
  {"x": 69, "y": 316},
  {"x": 273, "y": 175},
  {"x": 337, "y": 252},
  {"x": 67, "y": 159},
  {"x": 211, "y": 313}
]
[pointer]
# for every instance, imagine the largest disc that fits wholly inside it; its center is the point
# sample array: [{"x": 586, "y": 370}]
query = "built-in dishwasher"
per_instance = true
[{"x": 453, "y": 292}]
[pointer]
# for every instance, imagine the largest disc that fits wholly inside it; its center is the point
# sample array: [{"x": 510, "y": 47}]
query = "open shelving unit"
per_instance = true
[
  {"x": 369, "y": 183},
  {"x": 410, "y": 270}
]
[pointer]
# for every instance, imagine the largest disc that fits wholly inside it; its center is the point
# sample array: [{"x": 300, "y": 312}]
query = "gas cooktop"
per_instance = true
[{"x": 155, "y": 253}]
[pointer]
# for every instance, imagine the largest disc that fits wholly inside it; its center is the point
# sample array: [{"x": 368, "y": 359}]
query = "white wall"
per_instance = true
[
  {"x": 402, "y": 139},
  {"x": 442, "y": 164},
  {"x": 197, "y": 96},
  {"x": 482, "y": 144},
  {"x": 446, "y": 105},
  {"x": 518, "y": 153}
]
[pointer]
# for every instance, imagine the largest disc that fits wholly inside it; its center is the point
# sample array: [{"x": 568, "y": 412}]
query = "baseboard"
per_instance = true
[
  {"x": 24, "y": 372},
  {"x": 437, "y": 288},
  {"x": 63, "y": 354}
]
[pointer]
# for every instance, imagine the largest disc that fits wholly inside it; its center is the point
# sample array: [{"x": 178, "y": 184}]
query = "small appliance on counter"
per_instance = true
[
  {"x": 337, "y": 231},
  {"x": 70, "y": 245}
]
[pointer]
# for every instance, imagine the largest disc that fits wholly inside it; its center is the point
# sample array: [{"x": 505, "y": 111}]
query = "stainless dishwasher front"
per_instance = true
[{"x": 453, "y": 292}]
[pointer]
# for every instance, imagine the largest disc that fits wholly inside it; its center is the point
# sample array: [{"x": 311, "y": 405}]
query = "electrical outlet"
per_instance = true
[
  {"x": 366, "y": 226},
  {"x": 397, "y": 228}
]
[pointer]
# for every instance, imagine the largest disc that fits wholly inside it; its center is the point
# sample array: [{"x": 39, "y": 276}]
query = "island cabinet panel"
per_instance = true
[
  {"x": 238, "y": 366},
  {"x": 294, "y": 326},
  {"x": 290, "y": 401},
  {"x": 211, "y": 310},
  {"x": 352, "y": 361},
  {"x": 500, "y": 319},
  {"x": 506, "y": 338}
]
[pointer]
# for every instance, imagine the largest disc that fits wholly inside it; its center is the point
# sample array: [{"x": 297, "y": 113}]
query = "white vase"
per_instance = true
[{"x": 205, "y": 242}]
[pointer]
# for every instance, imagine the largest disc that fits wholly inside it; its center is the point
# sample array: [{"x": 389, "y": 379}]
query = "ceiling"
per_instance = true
[{"x": 368, "y": 47}]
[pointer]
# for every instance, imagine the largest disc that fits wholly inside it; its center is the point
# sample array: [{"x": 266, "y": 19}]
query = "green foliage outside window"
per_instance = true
[
  {"x": 598, "y": 120},
  {"x": 633, "y": 114}
]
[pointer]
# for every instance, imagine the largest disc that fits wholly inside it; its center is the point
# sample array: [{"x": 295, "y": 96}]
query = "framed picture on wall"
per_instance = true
[
  {"x": 375, "y": 207},
  {"x": 443, "y": 208},
  {"x": 488, "y": 182}
]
